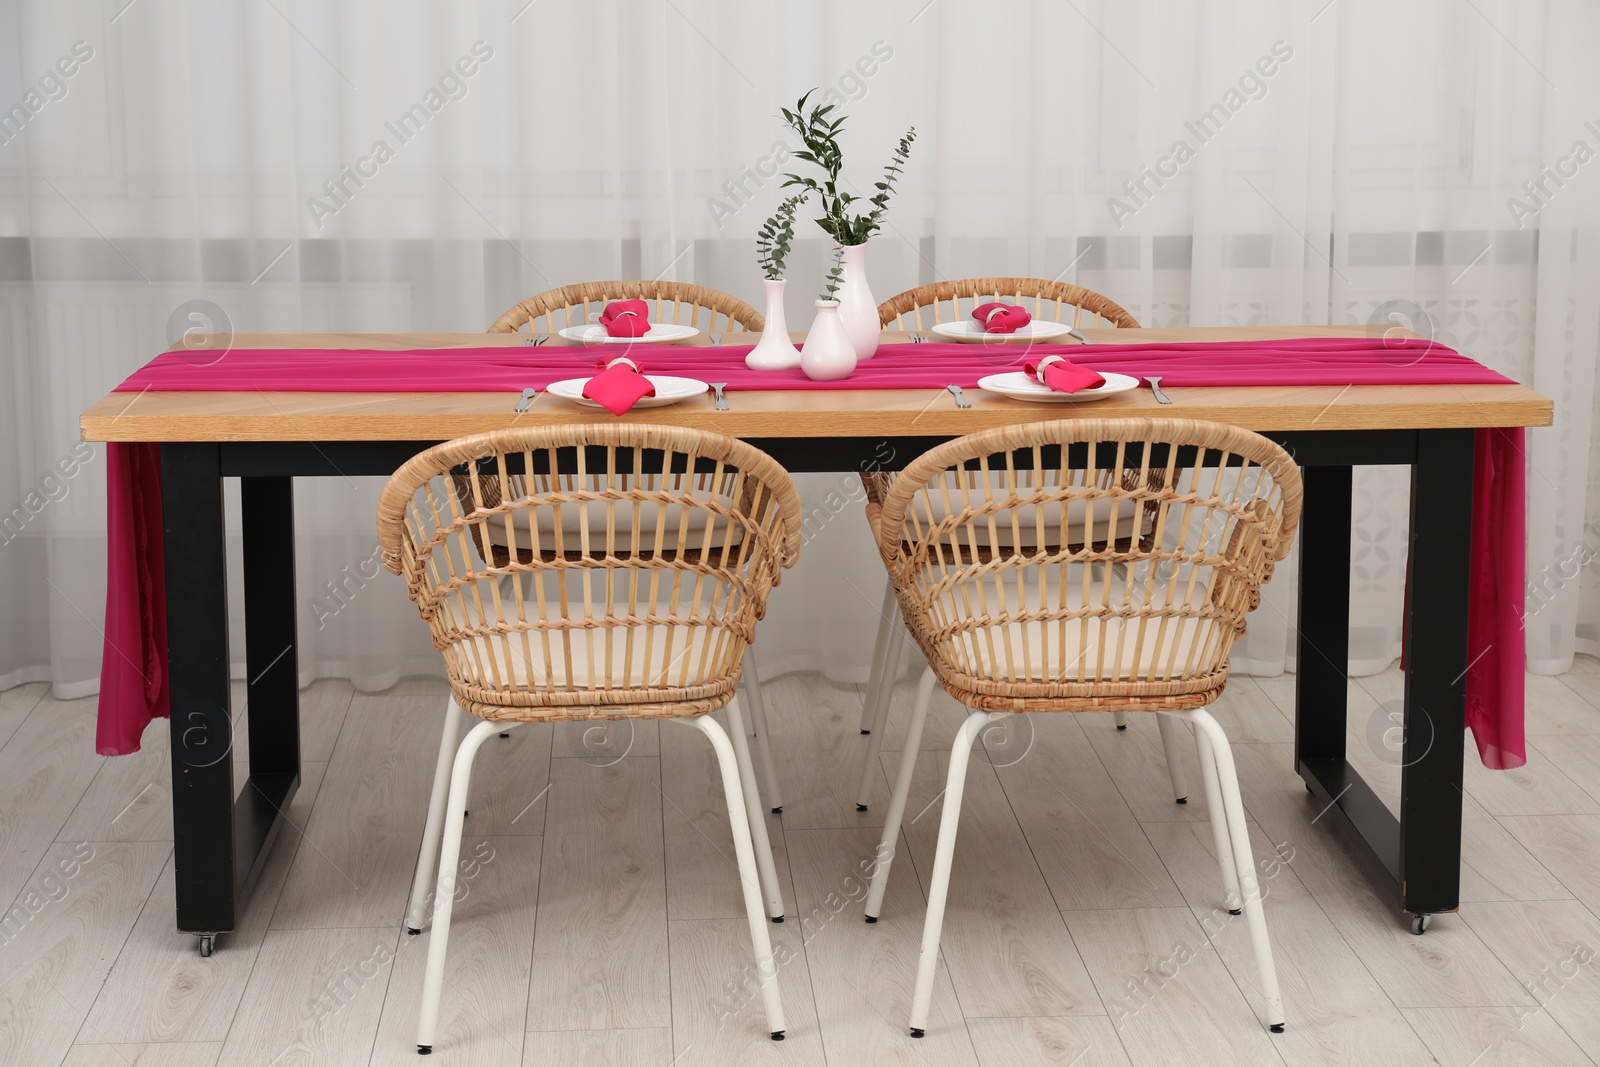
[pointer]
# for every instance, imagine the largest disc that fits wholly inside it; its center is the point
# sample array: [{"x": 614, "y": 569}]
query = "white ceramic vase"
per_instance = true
[
  {"x": 857, "y": 309},
  {"x": 828, "y": 353},
  {"x": 774, "y": 351}
]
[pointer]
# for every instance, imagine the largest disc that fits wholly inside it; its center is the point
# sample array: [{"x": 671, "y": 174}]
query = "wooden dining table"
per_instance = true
[{"x": 223, "y": 831}]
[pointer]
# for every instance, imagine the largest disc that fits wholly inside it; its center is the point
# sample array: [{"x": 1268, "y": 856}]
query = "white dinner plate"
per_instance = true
[
  {"x": 659, "y": 333},
  {"x": 1018, "y": 386},
  {"x": 669, "y": 390},
  {"x": 971, "y": 331}
]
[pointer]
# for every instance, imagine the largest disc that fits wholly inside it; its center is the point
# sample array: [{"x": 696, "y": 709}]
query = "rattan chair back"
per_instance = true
[
  {"x": 1014, "y": 619},
  {"x": 671, "y": 302},
  {"x": 953, "y": 301},
  {"x": 641, "y": 558}
]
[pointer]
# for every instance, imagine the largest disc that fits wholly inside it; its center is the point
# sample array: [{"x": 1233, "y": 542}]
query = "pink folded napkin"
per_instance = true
[
  {"x": 1001, "y": 318},
  {"x": 619, "y": 386},
  {"x": 626, "y": 318},
  {"x": 1062, "y": 375}
]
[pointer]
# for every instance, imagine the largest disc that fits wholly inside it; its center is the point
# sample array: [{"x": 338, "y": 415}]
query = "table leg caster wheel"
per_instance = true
[
  {"x": 1419, "y": 923},
  {"x": 208, "y": 943},
  {"x": 1276, "y": 1028}
]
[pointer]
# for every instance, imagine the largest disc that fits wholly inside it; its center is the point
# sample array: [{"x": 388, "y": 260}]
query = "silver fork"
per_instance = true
[
  {"x": 917, "y": 339},
  {"x": 1155, "y": 387},
  {"x": 722, "y": 403}
]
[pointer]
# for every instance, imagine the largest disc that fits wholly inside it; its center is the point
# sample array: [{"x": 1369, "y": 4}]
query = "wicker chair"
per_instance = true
[
  {"x": 604, "y": 621},
  {"x": 1051, "y": 296},
  {"x": 1058, "y": 295},
  {"x": 673, "y": 301},
  {"x": 1023, "y": 630}
]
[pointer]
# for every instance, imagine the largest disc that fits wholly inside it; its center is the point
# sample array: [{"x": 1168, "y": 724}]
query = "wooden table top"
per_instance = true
[{"x": 280, "y": 416}]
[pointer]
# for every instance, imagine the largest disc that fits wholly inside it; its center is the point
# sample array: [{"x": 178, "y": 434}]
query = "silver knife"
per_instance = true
[
  {"x": 961, "y": 400},
  {"x": 722, "y": 403}
]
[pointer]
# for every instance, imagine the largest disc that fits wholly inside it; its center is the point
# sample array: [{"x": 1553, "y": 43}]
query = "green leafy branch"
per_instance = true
[
  {"x": 776, "y": 236},
  {"x": 830, "y": 284},
  {"x": 820, "y": 135}
]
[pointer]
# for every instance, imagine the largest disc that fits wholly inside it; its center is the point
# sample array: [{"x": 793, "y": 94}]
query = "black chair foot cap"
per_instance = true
[
  {"x": 1124, "y": 726},
  {"x": 1276, "y": 1028},
  {"x": 1183, "y": 800},
  {"x": 777, "y": 1035},
  {"x": 424, "y": 1050},
  {"x": 864, "y": 733},
  {"x": 1235, "y": 911},
  {"x": 778, "y": 919},
  {"x": 871, "y": 919},
  {"x": 778, "y": 810},
  {"x": 861, "y": 807},
  {"x": 916, "y": 1032},
  {"x": 505, "y": 735},
  {"x": 413, "y": 931}
]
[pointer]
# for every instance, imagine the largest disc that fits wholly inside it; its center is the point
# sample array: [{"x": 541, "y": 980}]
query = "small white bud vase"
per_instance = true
[
  {"x": 774, "y": 351},
  {"x": 827, "y": 354},
  {"x": 857, "y": 308}
]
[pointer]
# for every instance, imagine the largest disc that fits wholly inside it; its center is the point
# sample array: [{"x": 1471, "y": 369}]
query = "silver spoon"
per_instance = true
[{"x": 1155, "y": 387}]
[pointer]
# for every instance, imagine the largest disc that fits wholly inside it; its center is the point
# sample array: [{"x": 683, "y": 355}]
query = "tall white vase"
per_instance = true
[
  {"x": 828, "y": 353},
  {"x": 774, "y": 351},
  {"x": 857, "y": 309}
]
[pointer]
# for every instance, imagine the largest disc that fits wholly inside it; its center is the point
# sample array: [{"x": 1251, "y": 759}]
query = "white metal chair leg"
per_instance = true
[
  {"x": 888, "y": 623},
  {"x": 758, "y": 724},
  {"x": 416, "y": 910},
  {"x": 880, "y": 719},
  {"x": 444, "y": 894},
  {"x": 1169, "y": 745},
  {"x": 752, "y": 803},
  {"x": 1244, "y": 860},
  {"x": 1120, "y": 718},
  {"x": 939, "y": 883},
  {"x": 897, "y": 801},
  {"x": 747, "y": 855},
  {"x": 1219, "y": 822}
]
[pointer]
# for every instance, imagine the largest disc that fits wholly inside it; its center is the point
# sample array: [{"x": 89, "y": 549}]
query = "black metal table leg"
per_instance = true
[
  {"x": 272, "y": 666},
  {"x": 204, "y": 842},
  {"x": 1418, "y": 854},
  {"x": 1436, "y": 667}
]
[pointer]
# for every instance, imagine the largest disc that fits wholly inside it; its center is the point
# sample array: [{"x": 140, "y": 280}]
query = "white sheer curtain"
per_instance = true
[{"x": 1231, "y": 161}]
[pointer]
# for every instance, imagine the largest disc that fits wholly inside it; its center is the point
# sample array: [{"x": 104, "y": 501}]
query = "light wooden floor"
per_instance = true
[{"x": 602, "y": 922}]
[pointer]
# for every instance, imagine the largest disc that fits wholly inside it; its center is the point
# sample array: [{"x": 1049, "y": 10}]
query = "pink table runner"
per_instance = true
[{"x": 134, "y": 677}]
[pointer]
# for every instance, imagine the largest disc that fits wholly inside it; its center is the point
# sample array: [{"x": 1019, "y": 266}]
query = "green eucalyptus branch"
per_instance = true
[
  {"x": 835, "y": 276},
  {"x": 820, "y": 135},
  {"x": 776, "y": 236}
]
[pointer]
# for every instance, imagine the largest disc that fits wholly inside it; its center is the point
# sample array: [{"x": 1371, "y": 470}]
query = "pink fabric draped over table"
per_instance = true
[{"x": 134, "y": 677}]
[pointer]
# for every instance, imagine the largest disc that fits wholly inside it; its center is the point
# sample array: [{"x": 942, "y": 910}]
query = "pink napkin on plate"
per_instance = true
[
  {"x": 1062, "y": 375},
  {"x": 619, "y": 386},
  {"x": 626, "y": 318},
  {"x": 1001, "y": 318}
]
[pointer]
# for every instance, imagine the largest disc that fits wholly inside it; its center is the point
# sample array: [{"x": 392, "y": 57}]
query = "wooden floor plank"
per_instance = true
[
  {"x": 1495, "y": 1037},
  {"x": 160, "y": 990},
  {"x": 1568, "y": 846},
  {"x": 71, "y": 918},
  {"x": 599, "y": 1048},
  {"x": 313, "y": 998},
  {"x": 45, "y": 769},
  {"x": 1166, "y": 989},
  {"x": 484, "y": 1007},
  {"x": 600, "y": 947},
  {"x": 185, "y": 1054},
  {"x": 718, "y": 1015},
  {"x": 1084, "y": 1041},
  {"x": 863, "y": 975},
  {"x": 1004, "y": 943},
  {"x": 1551, "y": 946}
]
